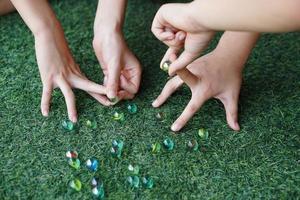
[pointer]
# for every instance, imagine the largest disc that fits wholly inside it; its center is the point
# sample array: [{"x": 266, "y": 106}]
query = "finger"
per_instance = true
[
  {"x": 69, "y": 98},
  {"x": 113, "y": 80},
  {"x": 166, "y": 35},
  {"x": 170, "y": 87},
  {"x": 134, "y": 75},
  {"x": 127, "y": 85},
  {"x": 46, "y": 98},
  {"x": 87, "y": 85},
  {"x": 100, "y": 98},
  {"x": 189, "y": 78},
  {"x": 181, "y": 62},
  {"x": 231, "y": 107},
  {"x": 188, "y": 112},
  {"x": 125, "y": 95},
  {"x": 180, "y": 36}
]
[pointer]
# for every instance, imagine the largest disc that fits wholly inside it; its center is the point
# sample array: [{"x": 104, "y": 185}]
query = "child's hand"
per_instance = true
[
  {"x": 121, "y": 69},
  {"x": 174, "y": 26},
  {"x": 59, "y": 70},
  {"x": 213, "y": 75}
]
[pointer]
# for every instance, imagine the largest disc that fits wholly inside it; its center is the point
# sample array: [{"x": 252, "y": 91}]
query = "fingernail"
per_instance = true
[
  {"x": 74, "y": 119},
  {"x": 45, "y": 113},
  {"x": 175, "y": 127},
  {"x": 237, "y": 126},
  {"x": 154, "y": 103}
]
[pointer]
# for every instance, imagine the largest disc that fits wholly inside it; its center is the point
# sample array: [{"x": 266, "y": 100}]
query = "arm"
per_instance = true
[
  {"x": 6, "y": 6},
  {"x": 110, "y": 15},
  {"x": 122, "y": 71},
  {"x": 246, "y": 15},
  {"x": 56, "y": 64}
]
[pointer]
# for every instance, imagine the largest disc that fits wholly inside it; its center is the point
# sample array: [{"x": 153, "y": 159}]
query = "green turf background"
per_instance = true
[{"x": 260, "y": 162}]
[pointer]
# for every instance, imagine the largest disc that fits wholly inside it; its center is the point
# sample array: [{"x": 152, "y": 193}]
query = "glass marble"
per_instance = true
[
  {"x": 98, "y": 192},
  {"x": 147, "y": 182},
  {"x": 165, "y": 66},
  {"x": 92, "y": 164},
  {"x": 134, "y": 169},
  {"x": 68, "y": 125},
  {"x": 91, "y": 124},
  {"x": 117, "y": 147},
  {"x": 74, "y": 163},
  {"x": 203, "y": 134},
  {"x": 133, "y": 181},
  {"x": 132, "y": 108},
  {"x": 118, "y": 116},
  {"x": 160, "y": 116},
  {"x": 96, "y": 182},
  {"x": 72, "y": 154},
  {"x": 156, "y": 147},
  {"x": 114, "y": 100},
  {"x": 193, "y": 145},
  {"x": 168, "y": 144},
  {"x": 75, "y": 184}
]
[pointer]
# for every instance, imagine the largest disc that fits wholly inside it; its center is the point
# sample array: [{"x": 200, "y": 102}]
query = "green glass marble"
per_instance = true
[
  {"x": 68, "y": 125},
  {"x": 160, "y": 116},
  {"x": 134, "y": 169},
  {"x": 116, "y": 149},
  {"x": 114, "y": 100},
  {"x": 118, "y": 116},
  {"x": 168, "y": 144},
  {"x": 165, "y": 66},
  {"x": 75, "y": 184},
  {"x": 133, "y": 181},
  {"x": 148, "y": 182},
  {"x": 98, "y": 192},
  {"x": 156, "y": 147},
  {"x": 132, "y": 108},
  {"x": 193, "y": 145},
  {"x": 91, "y": 124},
  {"x": 74, "y": 163},
  {"x": 203, "y": 134}
]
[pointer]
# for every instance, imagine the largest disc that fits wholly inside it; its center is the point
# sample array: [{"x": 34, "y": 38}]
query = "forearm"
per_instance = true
[
  {"x": 37, "y": 14},
  {"x": 237, "y": 46},
  {"x": 6, "y": 7},
  {"x": 247, "y": 15},
  {"x": 110, "y": 15}
]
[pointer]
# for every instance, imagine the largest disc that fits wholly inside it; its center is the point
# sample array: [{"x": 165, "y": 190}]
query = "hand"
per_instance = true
[
  {"x": 173, "y": 25},
  {"x": 214, "y": 75},
  {"x": 59, "y": 70},
  {"x": 121, "y": 69}
]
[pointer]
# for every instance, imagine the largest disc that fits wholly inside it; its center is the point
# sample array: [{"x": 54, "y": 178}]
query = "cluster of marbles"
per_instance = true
[
  {"x": 92, "y": 164},
  {"x": 134, "y": 181}
]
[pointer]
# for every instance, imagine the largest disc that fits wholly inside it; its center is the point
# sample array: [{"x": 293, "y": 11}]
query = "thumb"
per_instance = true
[
  {"x": 113, "y": 80},
  {"x": 181, "y": 62}
]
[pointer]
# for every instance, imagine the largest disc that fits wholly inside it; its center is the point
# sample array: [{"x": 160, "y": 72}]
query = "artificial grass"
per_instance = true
[{"x": 259, "y": 162}]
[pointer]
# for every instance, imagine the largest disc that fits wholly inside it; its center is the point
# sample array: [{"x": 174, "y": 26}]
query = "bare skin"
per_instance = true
[
  {"x": 6, "y": 7},
  {"x": 57, "y": 66},
  {"x": 215, "y": 75}
]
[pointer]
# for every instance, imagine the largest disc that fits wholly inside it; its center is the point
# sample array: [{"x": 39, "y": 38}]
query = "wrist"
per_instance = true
[{"x": 107, "y": 28}]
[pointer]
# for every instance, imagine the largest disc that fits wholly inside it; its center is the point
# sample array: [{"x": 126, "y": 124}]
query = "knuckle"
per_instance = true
[{"x": 193, "y": 108}]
